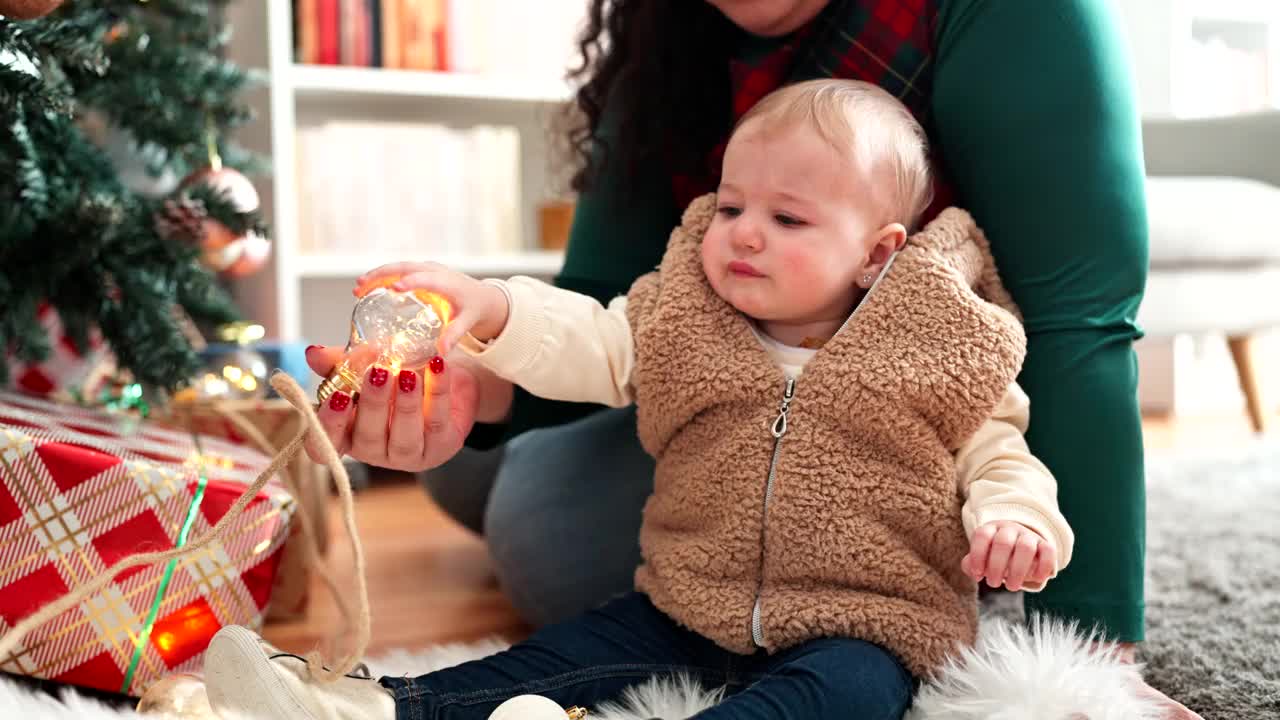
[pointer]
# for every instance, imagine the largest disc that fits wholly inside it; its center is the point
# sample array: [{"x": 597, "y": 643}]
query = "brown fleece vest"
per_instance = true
[{"x": 858, "y": 533}]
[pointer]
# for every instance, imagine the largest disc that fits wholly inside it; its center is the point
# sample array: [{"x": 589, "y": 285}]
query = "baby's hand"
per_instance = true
[
  {"x": 1009, "y": 553},
  {"x": 478, "y": 308}
]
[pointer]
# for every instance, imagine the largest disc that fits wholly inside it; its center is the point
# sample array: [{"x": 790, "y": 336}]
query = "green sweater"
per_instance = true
[{"x": 1033, "y": 113}]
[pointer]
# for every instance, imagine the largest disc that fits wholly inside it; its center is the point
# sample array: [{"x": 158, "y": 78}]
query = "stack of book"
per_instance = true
[
  {"x": 420, "y": 190},
  {"x": 496, "y": 37},
  {"x": 407, "y": 34}
]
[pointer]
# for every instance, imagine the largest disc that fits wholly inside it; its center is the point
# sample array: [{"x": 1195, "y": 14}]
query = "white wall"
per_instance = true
[{"x": 1149, "y": 28}]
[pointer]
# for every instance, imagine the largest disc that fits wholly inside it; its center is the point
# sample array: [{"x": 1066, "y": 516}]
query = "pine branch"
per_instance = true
[
  {"x": 25, "y": 193},
  {"x": 33, "y": 191},
  {"x": 20, "y": 86},
  {"x": 20, "y": 329},
  {"x": 66, "y": 40},
  {"x": 205, "y": 300},
  {"x": 169, "y": 50},
  {"x": 71, "y": 234}
]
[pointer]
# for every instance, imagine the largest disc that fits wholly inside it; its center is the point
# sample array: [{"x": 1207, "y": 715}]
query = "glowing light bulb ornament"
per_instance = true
[{"x": 395, "y": 330}]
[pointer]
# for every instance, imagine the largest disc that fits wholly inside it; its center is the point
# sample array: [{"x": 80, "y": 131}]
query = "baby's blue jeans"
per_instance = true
[{"x": 594, "y": 657}]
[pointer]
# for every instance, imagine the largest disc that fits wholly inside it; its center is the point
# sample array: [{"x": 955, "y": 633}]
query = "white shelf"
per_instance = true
[
  {"x": 542, "y": 263},
  {"x": 331, "y": 81},
  {"x": 296, "y": 299}
]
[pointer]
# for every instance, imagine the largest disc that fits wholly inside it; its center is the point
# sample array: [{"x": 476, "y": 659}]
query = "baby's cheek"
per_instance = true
[
  {"x": 803, "y": 268},
  {"x": 711, "y": 263},
  {"x": 796, "y": 260},
  {"x": 709, "y": 245}
]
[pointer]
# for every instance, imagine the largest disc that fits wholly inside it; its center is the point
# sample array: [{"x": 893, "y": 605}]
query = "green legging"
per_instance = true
[{"x": 1034, "y": 116}]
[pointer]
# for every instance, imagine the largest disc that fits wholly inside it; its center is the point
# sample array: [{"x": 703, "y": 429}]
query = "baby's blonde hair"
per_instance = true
[{"x": 867, "y": 124}]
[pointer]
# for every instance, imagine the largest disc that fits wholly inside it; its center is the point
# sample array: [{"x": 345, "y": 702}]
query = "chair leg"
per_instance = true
[{"x": 1242, "y": 353}]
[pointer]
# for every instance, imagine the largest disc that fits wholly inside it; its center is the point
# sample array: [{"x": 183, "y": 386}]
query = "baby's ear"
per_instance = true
[{"x": 889, "y": 240}]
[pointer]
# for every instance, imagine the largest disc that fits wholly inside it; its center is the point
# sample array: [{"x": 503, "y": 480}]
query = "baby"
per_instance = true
[{"x": 837, "y": 429}]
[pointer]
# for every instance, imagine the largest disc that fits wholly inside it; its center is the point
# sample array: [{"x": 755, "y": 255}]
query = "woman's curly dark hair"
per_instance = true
[{"x": 661, "y": 68}]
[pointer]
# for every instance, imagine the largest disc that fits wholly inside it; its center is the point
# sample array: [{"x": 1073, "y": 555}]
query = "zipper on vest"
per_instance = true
[{"x": 778, "y": 429}]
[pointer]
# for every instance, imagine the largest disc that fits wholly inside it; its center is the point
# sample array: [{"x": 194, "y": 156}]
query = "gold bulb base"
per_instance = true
[{"x": 342, "y": 378}]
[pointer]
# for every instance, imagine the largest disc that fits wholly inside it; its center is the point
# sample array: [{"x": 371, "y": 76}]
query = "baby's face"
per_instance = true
[{"x": 794, "y": 224}]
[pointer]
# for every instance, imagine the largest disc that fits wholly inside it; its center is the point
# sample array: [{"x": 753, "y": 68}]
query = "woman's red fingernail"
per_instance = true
[
  {"x": 437, "y": 365},
  {"x": 339, "y": 401},
  {"x": 378, "y": 376},
  {"x": 408, "y": 380},
  {"x": 311, "y": 347}
]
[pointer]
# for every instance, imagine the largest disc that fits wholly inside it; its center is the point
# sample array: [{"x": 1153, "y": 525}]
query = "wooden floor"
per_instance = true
[{"x": 430, "y": 580}]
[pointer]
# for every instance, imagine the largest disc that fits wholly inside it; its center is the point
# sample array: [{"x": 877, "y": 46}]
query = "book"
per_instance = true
[
  {"x": 306, "y": 19},
  {"x": 348, "y": 32},
  {"x": 422, "y": 29},
  {"x": 392, "y": 45},
  {"x": 408, "y": 189},
  {"x": 329, "y": 42},
  {"x": 374, "y": 12}
]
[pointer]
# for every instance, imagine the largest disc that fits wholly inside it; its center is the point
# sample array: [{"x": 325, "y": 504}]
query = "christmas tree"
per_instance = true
[{"x": 76, "y": 237}]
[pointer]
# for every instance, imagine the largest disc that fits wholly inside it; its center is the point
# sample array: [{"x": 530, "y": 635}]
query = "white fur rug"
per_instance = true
[{"x": 1042, "y": 672}]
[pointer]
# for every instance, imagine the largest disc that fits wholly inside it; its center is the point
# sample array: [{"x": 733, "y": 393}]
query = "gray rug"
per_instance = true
[{"x": 1213, "y": 581}]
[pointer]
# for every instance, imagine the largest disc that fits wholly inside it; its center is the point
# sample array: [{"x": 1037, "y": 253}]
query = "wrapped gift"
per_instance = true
[
  {"x": 267, "y": 425},
  {"x": 82, "y": 489}
]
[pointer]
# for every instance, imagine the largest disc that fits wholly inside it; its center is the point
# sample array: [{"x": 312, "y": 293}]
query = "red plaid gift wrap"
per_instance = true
[{"x": 82, "y": 489}]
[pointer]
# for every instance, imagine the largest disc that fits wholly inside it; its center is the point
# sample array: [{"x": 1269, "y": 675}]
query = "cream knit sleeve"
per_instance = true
[
  {"x": 1000, "y": 479},
  {"x": 560, "y": 345}
]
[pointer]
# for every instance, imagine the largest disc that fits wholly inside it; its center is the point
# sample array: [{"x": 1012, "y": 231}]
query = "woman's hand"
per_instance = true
[
  {"x": 1009, "y": 553},
  {"x": 409, "y": 421},
  {"x": 478, "y": 308}
]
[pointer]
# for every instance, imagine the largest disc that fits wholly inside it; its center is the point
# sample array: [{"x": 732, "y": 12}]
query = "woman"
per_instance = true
[{"x": 1030, "y": 112}]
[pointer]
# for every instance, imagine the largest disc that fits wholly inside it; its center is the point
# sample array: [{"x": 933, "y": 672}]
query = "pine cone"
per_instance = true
[{"x": 181, "y": 219}]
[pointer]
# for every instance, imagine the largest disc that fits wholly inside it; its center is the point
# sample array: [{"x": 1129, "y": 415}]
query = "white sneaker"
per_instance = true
[
  {"x": 534, "y": 707},
  {"x": 247, "y": 679}
]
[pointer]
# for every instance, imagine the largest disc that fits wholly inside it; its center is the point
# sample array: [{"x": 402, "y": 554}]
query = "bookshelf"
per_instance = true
[
  {"x": 305, "y": 295},
  {"x": 320, "y": 82},
  {"x": 339, "y": 265}
]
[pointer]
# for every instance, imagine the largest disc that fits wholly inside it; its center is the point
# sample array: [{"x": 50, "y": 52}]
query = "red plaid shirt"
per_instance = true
[{"x": 887, "y": 42}]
